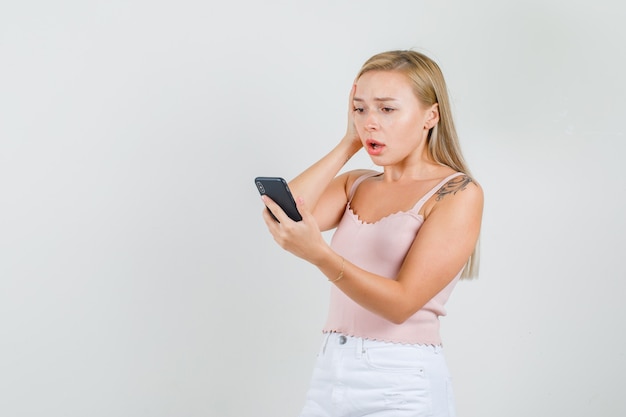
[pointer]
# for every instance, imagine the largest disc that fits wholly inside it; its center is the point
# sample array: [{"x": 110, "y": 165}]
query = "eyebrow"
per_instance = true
[{"x": 376, "y": 99}]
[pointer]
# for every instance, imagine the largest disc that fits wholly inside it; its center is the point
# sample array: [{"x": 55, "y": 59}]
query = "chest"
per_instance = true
[
  {"x": 375, "y": 200},
  {"x": 379, "y": 247}
]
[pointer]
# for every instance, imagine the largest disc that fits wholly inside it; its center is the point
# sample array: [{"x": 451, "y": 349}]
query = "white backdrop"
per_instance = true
[{"x": 136, "y": 274}]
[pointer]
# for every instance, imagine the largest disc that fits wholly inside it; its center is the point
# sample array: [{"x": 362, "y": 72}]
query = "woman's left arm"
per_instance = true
[{"x": 441, "y": 248}]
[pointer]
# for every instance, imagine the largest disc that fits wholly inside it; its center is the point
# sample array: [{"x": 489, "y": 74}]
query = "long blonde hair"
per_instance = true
[{"x": 430, "y": 88}]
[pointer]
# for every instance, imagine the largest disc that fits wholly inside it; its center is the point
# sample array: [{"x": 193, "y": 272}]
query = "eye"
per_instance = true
[
  {"x": 358, "y": 109},
  {"x": 387, "y": 109}
]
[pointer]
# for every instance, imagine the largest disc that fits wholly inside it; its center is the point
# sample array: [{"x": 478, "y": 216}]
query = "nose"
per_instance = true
[{"x": 371, "y": 123}]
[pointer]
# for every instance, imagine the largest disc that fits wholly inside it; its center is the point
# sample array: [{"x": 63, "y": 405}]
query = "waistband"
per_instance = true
[{"x": 334, "y": 340}]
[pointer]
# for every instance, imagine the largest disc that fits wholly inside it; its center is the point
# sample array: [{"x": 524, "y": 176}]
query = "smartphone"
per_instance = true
[{"x": 277, "y": 189}]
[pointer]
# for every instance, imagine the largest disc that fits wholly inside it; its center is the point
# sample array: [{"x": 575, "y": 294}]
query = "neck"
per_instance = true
[{"x": 414, "y": 168}]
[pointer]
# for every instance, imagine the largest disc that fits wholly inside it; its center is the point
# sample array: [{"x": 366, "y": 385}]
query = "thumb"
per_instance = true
[{"x": 304, "y": 210}]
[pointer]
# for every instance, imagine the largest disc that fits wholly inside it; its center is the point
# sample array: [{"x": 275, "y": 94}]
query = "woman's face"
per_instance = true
[{"x": 392, "y": 123}]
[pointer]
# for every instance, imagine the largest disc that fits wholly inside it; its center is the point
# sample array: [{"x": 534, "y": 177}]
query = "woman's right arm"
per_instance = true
[{"x": 324, "y": 192}]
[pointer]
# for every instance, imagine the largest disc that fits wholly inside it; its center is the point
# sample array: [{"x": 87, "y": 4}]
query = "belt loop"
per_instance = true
[
  {"x": 360, "y": 347},
  {"x": 326, "y": 337}
]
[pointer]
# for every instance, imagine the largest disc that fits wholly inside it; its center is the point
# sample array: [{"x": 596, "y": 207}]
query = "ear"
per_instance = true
[{"x": 432, "y": 116}]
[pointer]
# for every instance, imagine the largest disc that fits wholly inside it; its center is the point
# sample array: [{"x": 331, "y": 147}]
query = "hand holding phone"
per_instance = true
[{"x": 277, "y": 189}]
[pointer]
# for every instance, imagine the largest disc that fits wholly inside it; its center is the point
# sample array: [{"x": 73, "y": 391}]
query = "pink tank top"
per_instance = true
[{"x": 380, "y": 248}]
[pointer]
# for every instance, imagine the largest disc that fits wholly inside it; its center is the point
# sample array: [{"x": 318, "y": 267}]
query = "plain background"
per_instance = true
[{"x": 137, "y": 277}]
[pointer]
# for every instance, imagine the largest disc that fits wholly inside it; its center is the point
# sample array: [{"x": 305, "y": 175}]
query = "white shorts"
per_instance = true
[{"x": 359, "y": 377}]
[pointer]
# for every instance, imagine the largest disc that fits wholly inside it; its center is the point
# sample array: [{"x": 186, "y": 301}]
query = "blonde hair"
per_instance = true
[{"x": 430, "y": 88}]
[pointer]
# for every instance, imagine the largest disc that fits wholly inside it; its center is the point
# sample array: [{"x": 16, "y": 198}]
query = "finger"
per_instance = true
[
  {"x": 268, "y": 219},
  {"x": 306, "y": 214},
  {"x": 280, "y": 215},
  {"x": 351, "y": 99}
]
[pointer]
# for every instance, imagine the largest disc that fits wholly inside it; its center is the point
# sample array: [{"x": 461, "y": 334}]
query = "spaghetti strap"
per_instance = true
[
  {"x": 358, "y": 181},
  {"x": 436, "y": 188}
]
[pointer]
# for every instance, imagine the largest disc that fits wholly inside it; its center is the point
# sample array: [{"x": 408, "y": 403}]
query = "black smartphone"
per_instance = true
[{"x": 277, "y": 189}]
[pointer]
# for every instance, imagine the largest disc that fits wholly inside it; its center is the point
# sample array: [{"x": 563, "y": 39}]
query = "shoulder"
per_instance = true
[
  {"x": 357, "y": 173},
  {"x": 348, "y": 178},
  {"x": 461, "y": 193},
  {"x": 464, "y": 185}
]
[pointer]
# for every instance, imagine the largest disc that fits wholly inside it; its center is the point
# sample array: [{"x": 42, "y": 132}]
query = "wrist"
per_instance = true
[
  {"x": 331, "y": 264},
  {"x": 323, "y": 257},
  {"x": 349, "y": 147},
  {"x": 340, "y": 274}
]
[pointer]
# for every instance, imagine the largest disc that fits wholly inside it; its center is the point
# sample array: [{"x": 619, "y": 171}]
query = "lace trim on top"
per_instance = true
[{"x": 413, "y": 211}]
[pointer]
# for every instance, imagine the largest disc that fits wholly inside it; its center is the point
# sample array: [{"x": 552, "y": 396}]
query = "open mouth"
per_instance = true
[{"x": 374, "y": 146}]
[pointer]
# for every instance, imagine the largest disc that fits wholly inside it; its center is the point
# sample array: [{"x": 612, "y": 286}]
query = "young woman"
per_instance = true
[{"x": 404, "y": 237}]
